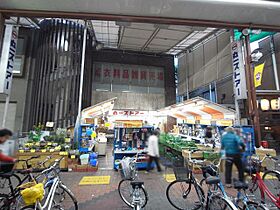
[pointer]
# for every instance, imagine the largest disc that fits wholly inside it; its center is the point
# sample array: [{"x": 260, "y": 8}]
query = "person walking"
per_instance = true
[
  {"x": 5, "y": 134},
  {"x": 153, "y": 151},
  {"x": 233, "y": 146}
]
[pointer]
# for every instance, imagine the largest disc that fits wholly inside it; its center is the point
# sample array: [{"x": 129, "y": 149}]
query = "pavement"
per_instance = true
[{"x": 106, "y": 197}]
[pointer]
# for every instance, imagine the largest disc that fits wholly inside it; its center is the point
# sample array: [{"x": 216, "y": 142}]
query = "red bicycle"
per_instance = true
[{"x": 268, "y": 183}]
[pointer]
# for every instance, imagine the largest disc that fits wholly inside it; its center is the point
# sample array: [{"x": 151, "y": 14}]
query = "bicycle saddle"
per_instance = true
[
  {"x": 213, "y": 180},
  {"x": 240, "y": 185},
  {"x": 136, "y": 184}
]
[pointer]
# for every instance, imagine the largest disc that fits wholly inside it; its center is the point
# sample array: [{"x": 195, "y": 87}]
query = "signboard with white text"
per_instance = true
[
  {"x": 7, "y": 58},
  {"x": 239, "y": 79}
]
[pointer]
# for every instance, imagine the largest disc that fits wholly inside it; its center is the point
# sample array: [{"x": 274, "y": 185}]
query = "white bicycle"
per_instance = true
[
  {"x": 57, "y": 195},
  {"x": 131, "y": 191}
]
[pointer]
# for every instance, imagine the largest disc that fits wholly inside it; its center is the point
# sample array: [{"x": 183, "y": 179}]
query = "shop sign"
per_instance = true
[
  {"x": 136, "y": 74},
  {"x": 128, "y": 113},
  {"x": 225, "y": 123},
  {"x": 7, "y": 58},
  {"x": 190, "y": 121},
  {"x": 238, "y": 71}
]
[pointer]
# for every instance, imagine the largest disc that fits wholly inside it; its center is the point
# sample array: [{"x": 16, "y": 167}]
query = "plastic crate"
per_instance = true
[{"x": 211, "y": 155}]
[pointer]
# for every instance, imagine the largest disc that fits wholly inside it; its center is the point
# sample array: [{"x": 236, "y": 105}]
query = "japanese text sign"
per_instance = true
[
  {"x": 238, "y": 71},
  {"x": 7, "y": 58}
]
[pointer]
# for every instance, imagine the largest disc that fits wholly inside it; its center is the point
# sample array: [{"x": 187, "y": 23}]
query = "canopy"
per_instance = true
[
  {"x": 200, "y": 109},
  {"x": 98, "y": 109}
]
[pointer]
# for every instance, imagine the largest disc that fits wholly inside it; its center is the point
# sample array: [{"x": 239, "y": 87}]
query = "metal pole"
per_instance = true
[
  {"x": 210, "y": 92},
  {"x": 252, "y": 91},
  {"x": 274, "y": 63},
  {"x": 6, "y": 110},
  {"x": 82, "y": 70}
]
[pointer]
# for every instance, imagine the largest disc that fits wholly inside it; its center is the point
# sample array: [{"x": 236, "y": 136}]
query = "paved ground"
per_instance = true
[{"x": 106, "y": 197}]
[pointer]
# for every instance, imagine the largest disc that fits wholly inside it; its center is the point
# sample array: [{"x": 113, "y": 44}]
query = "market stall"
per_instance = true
[
  {"x": 200, "y": 124},
  {"x": 131, "y": 131}
]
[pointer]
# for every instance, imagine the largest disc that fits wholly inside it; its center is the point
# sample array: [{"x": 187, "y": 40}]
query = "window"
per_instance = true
[{"x": 19, "y": 59}]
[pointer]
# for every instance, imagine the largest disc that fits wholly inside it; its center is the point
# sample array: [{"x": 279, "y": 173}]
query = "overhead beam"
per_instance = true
[{"x": 142, "y": 19}]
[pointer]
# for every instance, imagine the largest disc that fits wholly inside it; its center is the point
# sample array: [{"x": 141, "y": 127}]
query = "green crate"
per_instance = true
[{"x": 211, "y": 155}]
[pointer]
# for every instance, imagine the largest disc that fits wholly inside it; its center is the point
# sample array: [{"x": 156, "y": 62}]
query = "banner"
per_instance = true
[
  {"x": 123, "y": 74},
  {"x": 7, "y": 58},
  {"x": 258, "y": 72},
  {"x": 239, "y": 79}
]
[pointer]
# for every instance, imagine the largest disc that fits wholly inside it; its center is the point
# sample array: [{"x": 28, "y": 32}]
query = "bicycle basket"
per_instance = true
[
  {"x": 32, "y": 194},
  {"x": 127, "y": 168},
  {"x": 181, "y": 173}
]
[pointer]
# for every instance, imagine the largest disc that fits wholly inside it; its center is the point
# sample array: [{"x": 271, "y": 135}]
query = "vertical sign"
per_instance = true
[
  {"x": 7, "y": 58},
  {"x": 238, "y": 71}
]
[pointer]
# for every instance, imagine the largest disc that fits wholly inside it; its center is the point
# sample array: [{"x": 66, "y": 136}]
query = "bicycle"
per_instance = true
[
  {"x": 8, "y": 200},
  {"x": 57, "y": 192},
  {"x": 180, "y": 190},
  {"x": 241, "y": 200},
  {"x": 132, "y": 192},
  {"x": 256, "y": 181}
]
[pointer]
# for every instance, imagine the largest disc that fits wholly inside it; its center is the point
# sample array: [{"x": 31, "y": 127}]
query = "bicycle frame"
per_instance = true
[
  {"x": 257, "y": 179},
  {"x": 48, "y": 203}
]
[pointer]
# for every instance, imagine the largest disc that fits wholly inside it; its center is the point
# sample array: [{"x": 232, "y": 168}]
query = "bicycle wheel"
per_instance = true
[
  {"x": 4, "y": 202},
  {"x": 65, "y": 199},
  {"x": 250, "y": 205},
  {"x": 126, "y": 193},
  {"x": 183, "y": 194},
  {"x": 5, "y": 187},
  {"x": 218, "y": 202},
  {"x": 272, "y": 181}
]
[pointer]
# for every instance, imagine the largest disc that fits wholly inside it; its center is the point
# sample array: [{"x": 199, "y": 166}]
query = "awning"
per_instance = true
[
  {"x": 199, "y": 109},
  {"x": 99, "y": 109}
]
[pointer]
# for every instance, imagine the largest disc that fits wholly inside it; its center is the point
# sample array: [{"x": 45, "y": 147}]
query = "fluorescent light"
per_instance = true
[
  {"x": 102, "y": 90},
  {"x": 248, "y": 2}
]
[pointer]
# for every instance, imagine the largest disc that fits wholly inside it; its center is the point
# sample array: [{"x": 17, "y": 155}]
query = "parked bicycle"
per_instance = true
[
  {"x": 186, "y": 192},
  {"x": 58, "y": 196},
  {"x": 241, "y": 200},
  {"x": 268, "y": 183},
  {"x": 132, "y": 191},
  {"x": 10, "y": 182}
]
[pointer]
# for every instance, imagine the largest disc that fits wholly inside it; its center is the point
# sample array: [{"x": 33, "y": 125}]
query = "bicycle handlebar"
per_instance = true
[{"x": 53, "y": 167}]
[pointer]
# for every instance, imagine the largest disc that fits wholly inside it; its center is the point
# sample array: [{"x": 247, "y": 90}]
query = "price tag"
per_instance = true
[
  {"x": 51, "y": 150},
  {"x": 49, "y": 143},
  {"x": 63, "y": 153},
  {"x": 37, "y": 144},
  {"x": 67, "y": 140},
  {"x": 73, "y": 156},
  {"x": 43, "y": 150},
  {"x": 32, "y": 150},
  {"x": 21, "y": 151}
]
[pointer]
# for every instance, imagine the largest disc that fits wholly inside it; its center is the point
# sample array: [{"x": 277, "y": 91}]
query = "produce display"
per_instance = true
[
  {"x": 45, "y": 141},
  {"x": 176, "y": 143}
]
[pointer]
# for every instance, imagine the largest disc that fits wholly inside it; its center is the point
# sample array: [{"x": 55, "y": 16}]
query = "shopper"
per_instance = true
[
  {"x": 153, "y": 150},
  {"x": 233, "y": 147},
  {"x": 5, "y": 134}
]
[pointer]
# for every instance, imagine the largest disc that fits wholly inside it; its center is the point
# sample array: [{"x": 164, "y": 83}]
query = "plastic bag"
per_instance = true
[{"x": 33, "y": 194}]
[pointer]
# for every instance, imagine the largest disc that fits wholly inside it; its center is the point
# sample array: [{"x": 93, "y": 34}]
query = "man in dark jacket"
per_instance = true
[{"x": 232, "y": 145}]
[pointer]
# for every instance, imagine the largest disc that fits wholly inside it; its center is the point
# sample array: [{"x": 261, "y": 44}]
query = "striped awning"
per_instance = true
[{"x": 199, "y": 109}]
